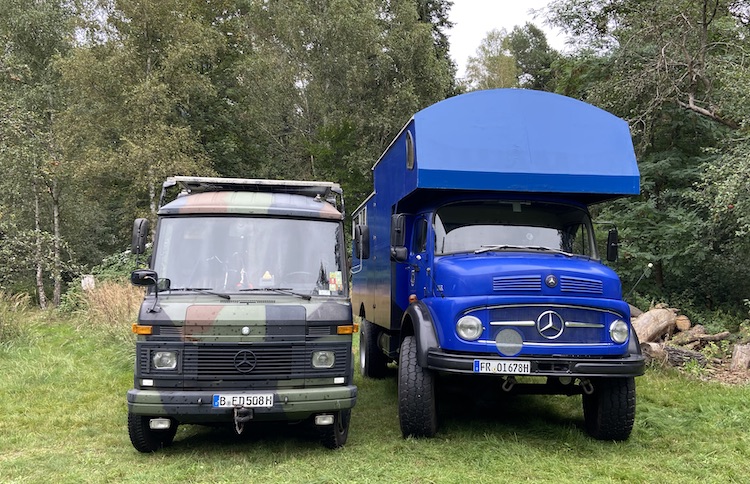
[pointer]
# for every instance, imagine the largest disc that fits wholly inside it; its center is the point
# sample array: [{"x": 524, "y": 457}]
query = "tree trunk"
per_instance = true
[
  {"x": 57, "y": 275},
  {"x": 38, "y": 244},
  {"x": 654, "y": 324},
  {"x": 740, "y": 358}
]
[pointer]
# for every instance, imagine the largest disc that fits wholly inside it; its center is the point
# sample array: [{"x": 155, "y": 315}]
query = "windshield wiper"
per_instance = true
[
  {"x": 202, "y": 290},
  {"x": 279, "y": 290},
  {"x": 541, "y": 248}
]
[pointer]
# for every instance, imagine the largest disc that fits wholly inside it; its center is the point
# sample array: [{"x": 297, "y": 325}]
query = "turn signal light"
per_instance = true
[
  {"x": 349, "y": 329},
  {"x": 139, "y": 329}
]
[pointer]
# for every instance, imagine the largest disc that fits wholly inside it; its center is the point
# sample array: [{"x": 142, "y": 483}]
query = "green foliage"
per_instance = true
[
  {"x": 676, "y": 72},
  {"x": 14, "y": 313}
]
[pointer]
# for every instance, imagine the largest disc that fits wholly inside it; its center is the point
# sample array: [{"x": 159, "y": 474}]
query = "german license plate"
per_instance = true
[
  {"x": 502, "y": 367},
  {"x": 254, "y": 400}
]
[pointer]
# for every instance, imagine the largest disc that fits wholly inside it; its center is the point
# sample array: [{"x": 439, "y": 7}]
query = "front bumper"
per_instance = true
[
  {"x": 559, "y": 366},
  {"x": 197, "y": 406}
]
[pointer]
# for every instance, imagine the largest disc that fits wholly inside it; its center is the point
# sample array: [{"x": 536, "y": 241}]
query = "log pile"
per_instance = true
[{"x": 671, "y": 339}]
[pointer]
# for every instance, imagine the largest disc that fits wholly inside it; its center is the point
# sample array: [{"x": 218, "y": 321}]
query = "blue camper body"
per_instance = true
[{"x": 475, "y": 255}]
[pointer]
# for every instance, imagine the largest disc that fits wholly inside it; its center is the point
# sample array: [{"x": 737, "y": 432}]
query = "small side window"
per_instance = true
[
  {"x": 409, "y": 151},
  {"x": 420, "y": 235}
]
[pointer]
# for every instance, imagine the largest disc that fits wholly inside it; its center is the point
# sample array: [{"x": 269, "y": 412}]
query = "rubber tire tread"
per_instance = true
[
  {"x": 417, "y": 411},
  {"x": 146, "y": 440},
  {"x": 335, "y": 436},
  {"x": 376, "y": 362},
  {"x": 609, "y": 412}
]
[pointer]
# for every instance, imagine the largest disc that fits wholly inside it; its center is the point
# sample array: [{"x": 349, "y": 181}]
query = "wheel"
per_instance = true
[
  {"x": 372, "y": 362},
  {"x": 417, "y": 412},
  {"x": 334, "y": 436},
  {"x": 145, "y": 439},
  {"x": 609, "y": 412}
]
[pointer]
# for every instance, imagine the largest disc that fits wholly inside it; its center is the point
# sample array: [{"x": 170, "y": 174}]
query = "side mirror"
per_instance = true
[
  {"x": 140, "y": 234},
  {"x": 612, "y": 245},
  {"x": 362, "y": 242},
  {"x": 399, "y": 252},
  {"x": 143, "y": 277}
]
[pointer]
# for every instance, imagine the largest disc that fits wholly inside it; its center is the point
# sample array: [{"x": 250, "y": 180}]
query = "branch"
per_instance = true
[{"x": 705, "y": 112}]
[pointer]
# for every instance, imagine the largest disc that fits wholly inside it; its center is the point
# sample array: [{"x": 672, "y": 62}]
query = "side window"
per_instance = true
[{"x": 420, "y": 235}]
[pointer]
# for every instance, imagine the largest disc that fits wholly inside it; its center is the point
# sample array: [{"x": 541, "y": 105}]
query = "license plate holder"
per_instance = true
[
  {"x": 243, "y": 400},
  {"x": 502, "y": 367}
]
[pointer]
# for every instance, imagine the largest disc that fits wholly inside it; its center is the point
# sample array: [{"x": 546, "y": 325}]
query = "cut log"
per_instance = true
[
  {"x": 698, "y": 334},
  {"x": 682, "y": 322},
  {"x": 654, "y": 324},
  {"x": 655, "y": 352},
  {"x": 740, "y": 358},
  {"x": 677, "y": 356},
  {"x": 634, "y": 311}
]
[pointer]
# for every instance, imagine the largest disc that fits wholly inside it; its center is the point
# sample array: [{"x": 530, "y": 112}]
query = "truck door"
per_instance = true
[{"x": 419, "y": 260}]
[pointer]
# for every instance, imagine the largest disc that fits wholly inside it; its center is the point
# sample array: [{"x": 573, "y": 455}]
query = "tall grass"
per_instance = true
[
  {"x": 14, "y": 311},
  {"x": 110, "y": 308}
]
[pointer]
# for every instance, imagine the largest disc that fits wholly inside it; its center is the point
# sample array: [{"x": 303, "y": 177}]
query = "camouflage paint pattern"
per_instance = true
[
  {"x": 277, "y": 333},
  {"x": 252, "y": 203},
  {"x": 208, "y": 333}
]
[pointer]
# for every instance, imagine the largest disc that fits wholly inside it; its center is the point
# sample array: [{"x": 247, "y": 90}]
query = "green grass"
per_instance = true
[{"x": 63, "y": 419}]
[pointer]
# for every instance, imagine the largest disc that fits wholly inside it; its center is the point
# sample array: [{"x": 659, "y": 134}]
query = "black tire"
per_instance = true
[
  {"x": 417, "y": 412},
  {"x": 146, "y": 440},
  {"x": 372, "y": 361},
  {"x": 334, "y": 436},
  {"x": 609, "y": 412}
]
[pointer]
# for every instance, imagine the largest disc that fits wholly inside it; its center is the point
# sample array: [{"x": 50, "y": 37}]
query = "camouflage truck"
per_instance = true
[{"x": 246, "y": 315}]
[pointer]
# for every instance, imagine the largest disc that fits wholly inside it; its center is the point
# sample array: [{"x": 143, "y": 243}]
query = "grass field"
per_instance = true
[{"x": 63, "y": 419}]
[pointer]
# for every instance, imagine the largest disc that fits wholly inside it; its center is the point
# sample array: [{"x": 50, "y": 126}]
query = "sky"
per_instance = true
[{"x": 474, "y": 18}]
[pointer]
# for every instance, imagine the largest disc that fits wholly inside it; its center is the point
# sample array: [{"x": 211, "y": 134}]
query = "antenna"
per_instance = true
[{"x": 649, "y": 266}]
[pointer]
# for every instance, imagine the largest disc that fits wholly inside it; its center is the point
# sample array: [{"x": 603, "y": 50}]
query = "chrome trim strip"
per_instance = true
[
  {"x": 541, "y": 305},
  {"x": 573, "y": 324},
  {"x": 513, "y": 323},
  {"x": 527, "y": 344}
]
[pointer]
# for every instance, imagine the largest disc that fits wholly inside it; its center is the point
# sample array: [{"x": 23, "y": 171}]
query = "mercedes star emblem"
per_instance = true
[
  {"x": 244, "y": 361},
  {"x": 550, "y": 324}
]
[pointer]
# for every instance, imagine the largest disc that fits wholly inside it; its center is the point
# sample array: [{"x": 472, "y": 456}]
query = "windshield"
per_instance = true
[
  {"x": 513, "y": 225},
  {"x": 232, "y": 254}
]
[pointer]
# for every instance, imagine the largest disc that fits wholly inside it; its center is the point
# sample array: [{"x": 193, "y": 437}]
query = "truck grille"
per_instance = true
[
  {"x": 517, "y": 283},
  {"x": 245, "y": 362},
  {"x": 580, "y": 285}
]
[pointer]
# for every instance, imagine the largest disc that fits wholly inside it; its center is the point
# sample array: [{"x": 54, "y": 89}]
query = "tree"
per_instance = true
[
  {"x": 33, "y": 36},
  {"x": 494, "y": 65},
  {"x": 673, "y": 71}
]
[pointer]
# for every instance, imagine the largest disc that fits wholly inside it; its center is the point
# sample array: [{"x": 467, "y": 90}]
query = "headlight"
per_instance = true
[
  {"x": 618, "y": 331},
  {"x": 469, "y": 328},
  {"x": 165, "y": 360},
  {"x": 323, "y": 359}
]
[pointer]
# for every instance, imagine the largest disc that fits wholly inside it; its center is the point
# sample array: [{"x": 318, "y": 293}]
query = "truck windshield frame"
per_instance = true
[
  {"x": 513, "y": 225},
  {"x": 233, "y": 254}
]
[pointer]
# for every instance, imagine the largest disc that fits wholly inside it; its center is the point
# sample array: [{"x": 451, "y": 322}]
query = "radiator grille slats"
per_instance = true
[
  {"x": 517, "y": 283},
  {"x": 580, "y": 285}
]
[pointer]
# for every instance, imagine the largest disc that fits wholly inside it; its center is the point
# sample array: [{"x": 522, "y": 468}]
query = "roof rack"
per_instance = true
[{"x": 327, "y": 191}]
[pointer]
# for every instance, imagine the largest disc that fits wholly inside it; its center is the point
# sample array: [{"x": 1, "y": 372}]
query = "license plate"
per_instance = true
[
  {"x": 503, "y": 367},
  {"x": 254, "y": 400}
]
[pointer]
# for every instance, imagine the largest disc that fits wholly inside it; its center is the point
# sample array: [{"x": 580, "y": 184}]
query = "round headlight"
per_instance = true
[
  {"x": 618, "y": 331},
  {"x": 469, "y": 328}
]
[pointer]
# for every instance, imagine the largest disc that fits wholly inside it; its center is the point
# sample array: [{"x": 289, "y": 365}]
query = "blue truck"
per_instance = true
[{"x": 475, "y": 256}]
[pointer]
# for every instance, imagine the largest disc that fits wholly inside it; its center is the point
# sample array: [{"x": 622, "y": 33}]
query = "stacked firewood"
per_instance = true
[{"x": 670, "y": 338}]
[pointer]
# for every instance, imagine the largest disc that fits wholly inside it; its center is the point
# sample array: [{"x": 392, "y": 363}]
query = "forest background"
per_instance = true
[{"x": 101, "y": 100}]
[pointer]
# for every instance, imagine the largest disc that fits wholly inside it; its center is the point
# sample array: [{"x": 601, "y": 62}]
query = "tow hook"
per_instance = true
[
  {"x": 241, "y": 417},
  {"x": 509, "y": 383},
  {"x": 587, "y": 387}
]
